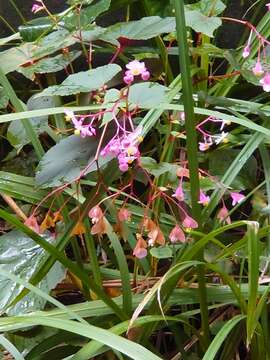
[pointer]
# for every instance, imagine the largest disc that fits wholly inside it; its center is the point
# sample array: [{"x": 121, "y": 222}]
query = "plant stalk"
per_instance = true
[{"x": 190, "y": 126}]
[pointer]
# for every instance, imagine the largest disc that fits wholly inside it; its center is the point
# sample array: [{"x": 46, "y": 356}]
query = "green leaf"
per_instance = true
[
  {"x": 35, "y": 28},
  {"x": 86, "y": 15},
  {"x": 221, "y": 336},
  {"x": 208, "y": 7},
  {"x": 201, "y": 23},
  {"x": 143, "y": 29},
  {"x": 147, "y": 94},
  {"x": 20, "y": 255},
  {"x": 163, "y": 252},
  {"x": 49, "y": 65},
  {"x": 53, "y": 42},
  {"x": 150, "y": 165},
  {"x": 64, "y": 162},
  {"x": 131, "y": 349},
  {"x": 83, "y": 81},
  {"x": 16, "y": 134}
]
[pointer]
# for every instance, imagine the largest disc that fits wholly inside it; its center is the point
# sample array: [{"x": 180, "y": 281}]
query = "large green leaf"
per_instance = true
[
  {"x": 147, "y": 94},
  {"x": 202, "y": 23},
  {"x": 20, "y": 255},
  {"x": 64, "y": 161},
  {"x": 86, "y": 16},
  {"x": 83, "y": 81},
  {"x": 16, "y": 133},
  {"x": 49, "y": 65},
  {"x": 143, "y": 29}
]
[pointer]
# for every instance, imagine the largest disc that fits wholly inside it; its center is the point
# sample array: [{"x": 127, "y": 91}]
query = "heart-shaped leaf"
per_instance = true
[{"x": 64, "y": 162}]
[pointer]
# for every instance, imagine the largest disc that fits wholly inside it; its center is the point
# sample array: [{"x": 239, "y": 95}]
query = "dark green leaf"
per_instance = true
[
  {"x": 64, "y": 161},
  {"x": 86, "y": 15},
  {"x": 220, "y": 160},
  {"x": 35, "y": 28},
  {"x": 16, "y": 133}
]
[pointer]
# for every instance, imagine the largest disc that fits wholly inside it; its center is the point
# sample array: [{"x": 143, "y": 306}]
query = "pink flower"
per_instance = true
[
  {"x": 124, "y": 215},
  {"x": 95, "y": 214},
  {"x": 179, "y": 193},
  {"x": 36, "y": 8},
  {"x": 177, "y": 234},
  {"x": 204, "y": 199},
  {"x": 268, "y": 6},
  {"x": 145, "y": 75},
  {"x": 265, "y": 81},
  {"x": 246, "y": 52},
  {"x": 258, "y": 69},
  {"x": 222, "y": 215},
  {"x": 136, "y": 68},
  {"x": 128, "y": 78},
  {"x": 125, "y": 147},
  {"x": 189, "y": 222},
  {"x": 81, "y": 129},
  {"x": 140, "y": 250},
  {"x": 236, "y": 198}
]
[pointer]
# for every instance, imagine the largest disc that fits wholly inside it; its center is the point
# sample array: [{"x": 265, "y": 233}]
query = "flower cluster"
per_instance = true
[
  {"x": 258, "y": 69},
  {"x": 136, "y": 68},
  {"x": 124, "y": 147}
]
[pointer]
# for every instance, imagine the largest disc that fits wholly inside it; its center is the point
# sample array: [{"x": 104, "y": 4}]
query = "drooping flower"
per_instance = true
[
  {"x": 97, "y": 216},
  {"x": 179, "y": 193},
  {"x": 177, "y": 235},
  {"x": 268, "y": 6},
  {"x": 32, "y": 223},
  {"x": 124, "y": 215},
  {"x": 236, "y": 198},
  {"x": 155, "y": 235},
  {"x": 136, "y": 68},
  {"x": 265, "y": 81},
  {"x": 140, "y": 250},
  {"x": 246, "y": 52},
  {"x": 204, "y": 199},
  {"x": 189, "y": 222},
  {"x": 222, "y": 215},
  {"x": 258, "y": 69}
]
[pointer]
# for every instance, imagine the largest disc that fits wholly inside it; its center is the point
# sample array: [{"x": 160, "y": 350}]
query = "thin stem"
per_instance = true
[{"x": 192, "y": 146}]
